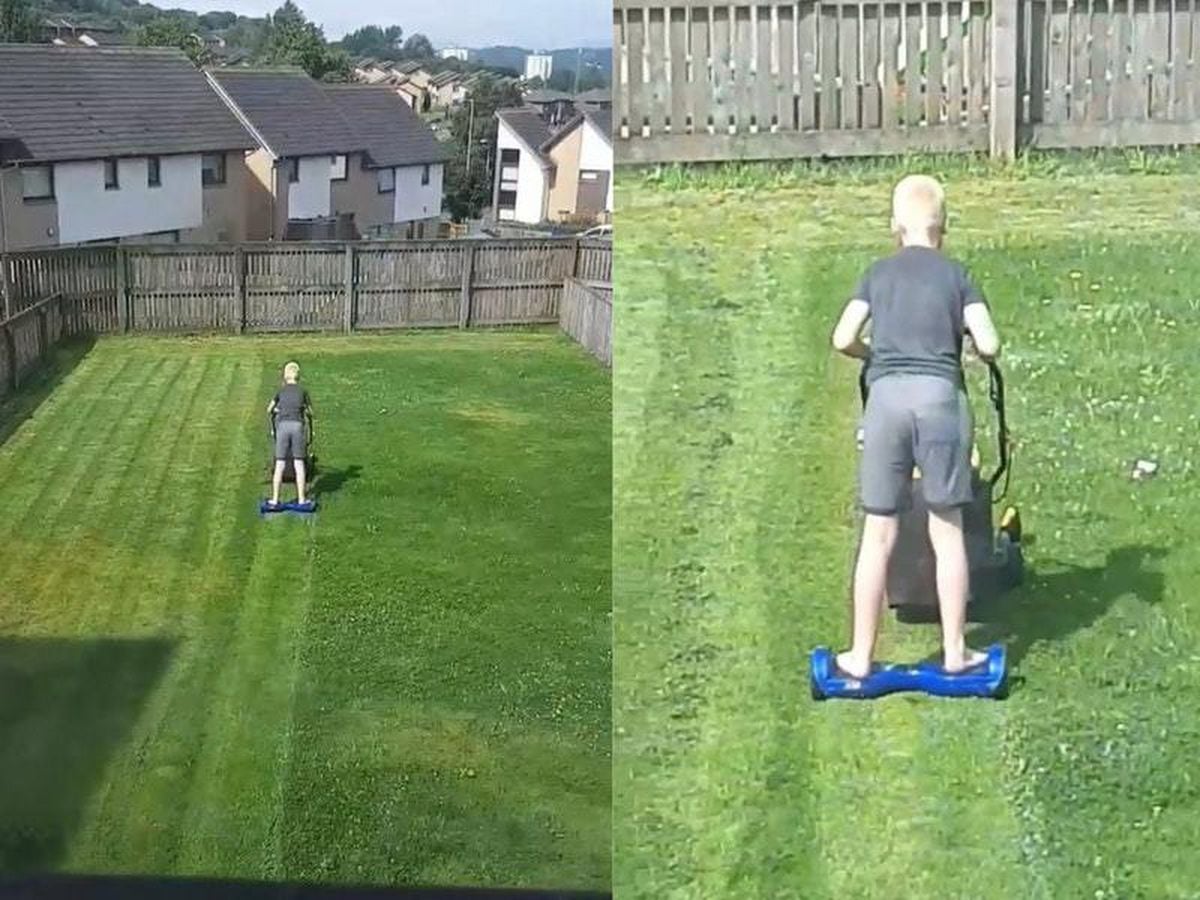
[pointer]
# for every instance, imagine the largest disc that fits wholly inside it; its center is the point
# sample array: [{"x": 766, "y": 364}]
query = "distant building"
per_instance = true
[
  {"x": 460, "y": 53},
  {"x": 539, "y": 65}
]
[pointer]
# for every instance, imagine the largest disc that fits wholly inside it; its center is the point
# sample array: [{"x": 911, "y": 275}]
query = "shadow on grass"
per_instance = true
[
  {"x": 41, "y": 383},
  {"x": 1051, "y": 607},
  {"x": 330, "y": 481},
  {"x": 65, "y": 707},
  {"x": 120, "y": 888}
]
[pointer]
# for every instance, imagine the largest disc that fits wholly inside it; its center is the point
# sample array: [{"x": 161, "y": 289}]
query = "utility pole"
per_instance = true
[
  {"x": 578, "y": 67},
  {"x": 470, "y": 138}
]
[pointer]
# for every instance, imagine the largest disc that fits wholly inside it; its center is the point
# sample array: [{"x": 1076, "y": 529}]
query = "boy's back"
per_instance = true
[{"x": 917, "y": 298}]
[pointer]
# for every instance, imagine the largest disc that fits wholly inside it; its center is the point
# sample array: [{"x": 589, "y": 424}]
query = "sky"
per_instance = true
[{"x": 534, "y": 24}]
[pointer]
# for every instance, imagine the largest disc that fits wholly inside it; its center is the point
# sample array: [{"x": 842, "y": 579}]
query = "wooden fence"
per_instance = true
[
  {"x": 586, "y": 315},
  {"x": 345, "y": 286},
  {"x": 28, "y": 337},
  {"x": 704, "y": 80}
]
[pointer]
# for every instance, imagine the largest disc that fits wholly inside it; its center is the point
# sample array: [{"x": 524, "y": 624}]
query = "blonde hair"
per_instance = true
[
  {"x": 919, "y": 207},
  {"x": 291, "y": 372}
]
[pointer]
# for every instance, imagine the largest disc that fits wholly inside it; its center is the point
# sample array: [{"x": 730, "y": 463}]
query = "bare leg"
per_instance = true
[
  {"x": 300, "y": 477},
  {"x": 946, "y": 535},
  {"x": 870, "y": 583},
  {"x": 277, "y": 482}
]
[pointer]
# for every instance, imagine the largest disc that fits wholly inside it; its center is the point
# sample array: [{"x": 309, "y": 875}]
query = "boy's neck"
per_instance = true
[{"x": 927, "y": 245}]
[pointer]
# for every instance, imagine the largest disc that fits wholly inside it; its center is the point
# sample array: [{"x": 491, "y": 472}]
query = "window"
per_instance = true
[
  {"x": 38, "y": 182},
  {"x": 510, "y": 157},
  {"x": 338, "y": 166},
  {"x": 153, "y": 172},
  {"x": 508, "y": 199},
  {"x": 293, "y": 171},
  {"x": 425, "y": 175},
  {"x": 111, "y": 182},
  {"x": 386, "y": 180},
  {"x": 212, "y": 169}
]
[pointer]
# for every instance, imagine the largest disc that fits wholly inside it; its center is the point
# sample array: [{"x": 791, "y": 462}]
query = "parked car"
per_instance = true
[{"x": 600, "y": 231}]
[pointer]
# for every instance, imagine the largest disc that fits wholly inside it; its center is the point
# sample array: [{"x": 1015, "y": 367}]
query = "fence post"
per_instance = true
[
  {"x": 239, "y": 286},
  {"x": 348, "y": 304},
  {"x": 10, "y": 352},
  {"x": 1002, "y": 104},
  {"x": 468, "y": 279},
  {"x": 578, "y": 256},
  {"x": 6, "y": 287},
  {"x": 123, "y": 290}
]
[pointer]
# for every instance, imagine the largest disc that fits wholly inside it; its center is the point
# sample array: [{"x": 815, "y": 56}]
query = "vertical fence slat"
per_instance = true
[
  {"x": 848, "y": 81},
  {"x": 1098, "y": 66},
  {"x": 954, "y": 64},
  {"x": 889, "y": 13},
  {"x": 1081, "y": 32},
  {"x": 806, "y": 43},
  {"x": 934, "y": 96},
  {"x": 828, "y": 62},
  {"x": 677, "y": 70},
  {"x": 870, "y": 66},
  {"x": 913, "y": 100},
  {"x": 787, "y": 80},
  {"x": 657, "y": 70}
]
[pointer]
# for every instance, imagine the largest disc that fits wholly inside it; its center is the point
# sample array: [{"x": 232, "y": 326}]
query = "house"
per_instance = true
[
  {"x": 355, "y": 152},
  {"x": 155, "y": 154},
  {"x": 551, "y": 171},
  {"x": 554, "y": 106},
  {"x": 460, "y": 53},
  {"x": 600, "y": 98},
  {"x": 446, "y": 89},
  {"x": 399, "y": 143}
]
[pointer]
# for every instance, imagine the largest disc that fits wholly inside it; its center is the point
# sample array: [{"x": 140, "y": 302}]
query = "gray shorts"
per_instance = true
[
  {"x": 921, "y": 421},
  {"x": 290, "y": 442}
]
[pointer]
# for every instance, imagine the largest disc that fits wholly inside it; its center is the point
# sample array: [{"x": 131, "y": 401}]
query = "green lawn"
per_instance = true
[
  {"x": 414, "y": 687},
  {"x": 735, "y": 486}
]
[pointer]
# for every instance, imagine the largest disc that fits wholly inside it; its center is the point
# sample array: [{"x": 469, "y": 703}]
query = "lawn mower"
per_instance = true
[
  {"x": 994, "y": 555},
  {"x": 995, "y": 561}
]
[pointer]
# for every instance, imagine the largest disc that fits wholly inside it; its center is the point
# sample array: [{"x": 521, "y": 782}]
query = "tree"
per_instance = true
[
  {"x": 467, "y": 192},
  {"x": 167, "y": 32},
  {"x": 293, "y": 40},
  {"x": 418, "y": 47},
  {"x": 371, "y": 40},
  {"x": 18, "y": 25}
]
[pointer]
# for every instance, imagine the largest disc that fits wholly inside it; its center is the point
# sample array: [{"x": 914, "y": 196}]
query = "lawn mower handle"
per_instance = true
[{"x": 996, "y": 395}]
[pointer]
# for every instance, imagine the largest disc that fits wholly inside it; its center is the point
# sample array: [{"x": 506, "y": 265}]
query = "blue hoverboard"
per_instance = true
[
  {"x": 307, "y": 508},
  {"x": 828, "y": 682}
]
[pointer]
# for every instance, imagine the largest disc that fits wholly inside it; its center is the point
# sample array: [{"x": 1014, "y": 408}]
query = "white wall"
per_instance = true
[
  {"x": 531, "y": 178},
  {"x": 88, "y": 212},
  {"x": 597, "y": 154},
  {"x": 415, "y": 200},
  {"x": 308, "y": 198}
]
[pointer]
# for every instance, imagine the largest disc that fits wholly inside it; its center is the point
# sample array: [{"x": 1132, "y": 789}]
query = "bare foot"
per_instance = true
[
  {"x": 968, "y": 660},
  {"x": 852, "y": 665}
]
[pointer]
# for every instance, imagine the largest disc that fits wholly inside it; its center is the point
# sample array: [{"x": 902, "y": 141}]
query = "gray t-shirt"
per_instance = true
[
  {"x": 290, "y": 403},
  {"x": 917, "y": 297}
]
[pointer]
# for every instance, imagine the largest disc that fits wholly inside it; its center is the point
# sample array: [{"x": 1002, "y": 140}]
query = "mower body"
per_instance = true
[{"x": 994, "y": 555}]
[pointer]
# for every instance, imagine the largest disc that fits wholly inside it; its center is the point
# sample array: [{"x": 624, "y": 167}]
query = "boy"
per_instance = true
[
  {"x": 919, "y": 303},
  {"x": 290, "y": 409}
]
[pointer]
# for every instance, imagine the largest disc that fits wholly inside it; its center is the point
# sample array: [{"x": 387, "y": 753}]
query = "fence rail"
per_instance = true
[
  {"x": 705, "y": 80},
  {"x": 586, "y": 316},
  {"x": 315, "y": 286}
]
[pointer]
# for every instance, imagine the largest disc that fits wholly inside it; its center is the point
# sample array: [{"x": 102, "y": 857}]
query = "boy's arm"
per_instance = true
[
  {"x": 978, "y": 320},
  {"x": 847, "y": 334},
  {"x": 308, "y": 414}
]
